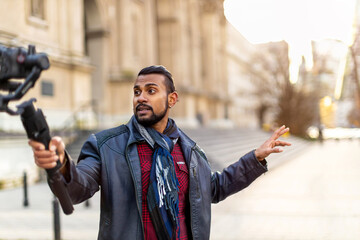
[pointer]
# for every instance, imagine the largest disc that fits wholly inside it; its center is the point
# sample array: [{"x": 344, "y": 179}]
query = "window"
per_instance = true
[
  {"x": 37, "y": 9},
  {"x": 36, "y": 13},
  {"x": 47, "y": 88}
]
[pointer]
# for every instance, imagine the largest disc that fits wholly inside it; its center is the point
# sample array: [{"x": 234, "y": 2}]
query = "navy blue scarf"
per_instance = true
[{"x": 162, "y": 197}]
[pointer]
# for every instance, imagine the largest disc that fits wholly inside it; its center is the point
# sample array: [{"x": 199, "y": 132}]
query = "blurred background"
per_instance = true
[
  {"x": 279, "y": 69},
  {"x": 96, "y": 49},
  {"x": 245, "y": 64}
]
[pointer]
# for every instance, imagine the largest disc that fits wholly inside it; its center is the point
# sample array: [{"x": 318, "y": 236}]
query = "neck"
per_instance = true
[{"x": 161, "y": 125}]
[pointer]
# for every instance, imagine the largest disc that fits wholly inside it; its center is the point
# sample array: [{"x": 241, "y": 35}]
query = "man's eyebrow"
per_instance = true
[
  {"x": 151, "y": 84},
  {"x": 147, "y": 85}
]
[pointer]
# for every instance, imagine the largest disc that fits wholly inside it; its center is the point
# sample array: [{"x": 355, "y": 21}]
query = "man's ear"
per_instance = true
[{"x": 172, "y": 99}]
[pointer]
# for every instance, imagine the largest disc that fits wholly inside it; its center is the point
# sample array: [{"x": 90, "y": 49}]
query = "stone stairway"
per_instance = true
[
  {"x": 74, "y": 147},
  {"x": 225, "y": 146}
]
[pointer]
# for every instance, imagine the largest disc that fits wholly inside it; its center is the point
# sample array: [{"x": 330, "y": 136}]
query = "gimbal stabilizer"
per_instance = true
[{"x": 21, "y": 64}]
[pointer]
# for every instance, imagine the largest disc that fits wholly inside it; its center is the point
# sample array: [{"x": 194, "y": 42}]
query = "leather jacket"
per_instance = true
[{"x": 109, "y": 161}]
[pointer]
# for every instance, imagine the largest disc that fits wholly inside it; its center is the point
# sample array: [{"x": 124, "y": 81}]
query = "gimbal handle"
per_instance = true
[{"x": 37, "y": 129}]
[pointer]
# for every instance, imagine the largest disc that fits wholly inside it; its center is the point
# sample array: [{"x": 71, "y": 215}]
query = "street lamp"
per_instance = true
[
  {"x": 327, "y": 101},
  {"x": 326, "y": 106}
]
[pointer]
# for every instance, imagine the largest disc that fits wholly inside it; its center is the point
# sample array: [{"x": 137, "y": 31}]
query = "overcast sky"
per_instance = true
[{"x": 293, "y": 20}]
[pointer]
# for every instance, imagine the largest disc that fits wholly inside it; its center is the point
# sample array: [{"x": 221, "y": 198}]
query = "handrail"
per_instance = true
[{"x": 72, "y": 126}]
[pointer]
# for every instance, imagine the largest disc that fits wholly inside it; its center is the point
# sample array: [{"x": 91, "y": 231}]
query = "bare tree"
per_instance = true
[
  {"x": 295, "y": 105},
  {"x": 354, "y": 114}
]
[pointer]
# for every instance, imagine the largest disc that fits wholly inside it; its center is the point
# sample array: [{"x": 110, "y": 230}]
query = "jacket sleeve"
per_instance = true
[
  {"x": 83, "y": 180},
  {"x": 236, "y": 177}
]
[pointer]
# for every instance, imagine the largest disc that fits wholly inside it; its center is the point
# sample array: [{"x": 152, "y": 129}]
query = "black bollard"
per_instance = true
[
  {"x": 26, "y": 201},
  {"x": 56, "y": 212},
  {"x": 87, "y": 203}
]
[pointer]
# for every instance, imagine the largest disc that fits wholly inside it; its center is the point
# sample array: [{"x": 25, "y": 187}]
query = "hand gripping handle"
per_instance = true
[{"x": 37, "y": 129}]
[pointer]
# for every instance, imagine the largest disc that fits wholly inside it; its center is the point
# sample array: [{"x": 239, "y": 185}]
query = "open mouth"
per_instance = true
[{"x": 143, "y": 109}]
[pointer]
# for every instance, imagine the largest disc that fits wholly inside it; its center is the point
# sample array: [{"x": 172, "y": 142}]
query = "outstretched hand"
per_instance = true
[
  {"x": 47, "y": 158},
  {"x": 270, "y": 146}
]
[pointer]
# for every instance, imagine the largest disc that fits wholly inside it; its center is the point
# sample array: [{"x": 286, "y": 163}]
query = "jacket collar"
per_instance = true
[
  {"x": 186, "y": 142},
  {"x": 134, "y": 136}
]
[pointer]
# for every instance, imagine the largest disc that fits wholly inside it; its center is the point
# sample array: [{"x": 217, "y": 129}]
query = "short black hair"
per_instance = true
[{"x": 159, "y": 69}]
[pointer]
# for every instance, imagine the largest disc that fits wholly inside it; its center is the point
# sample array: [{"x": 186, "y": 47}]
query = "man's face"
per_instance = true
[{"x": 150, "y": 102}]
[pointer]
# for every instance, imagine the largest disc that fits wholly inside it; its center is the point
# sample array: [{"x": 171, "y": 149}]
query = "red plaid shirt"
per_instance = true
[{"x": 145, "y": 156}]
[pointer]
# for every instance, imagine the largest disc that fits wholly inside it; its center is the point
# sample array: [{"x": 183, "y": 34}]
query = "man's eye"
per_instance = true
[
  {"x": 137, "y": 93},
  {"x": 151, "y": 91}
]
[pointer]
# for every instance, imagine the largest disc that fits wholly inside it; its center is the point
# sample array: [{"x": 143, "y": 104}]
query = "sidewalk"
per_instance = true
[
  {"x": 313, "y": 196},
  {"x": 36, "y": 221}
]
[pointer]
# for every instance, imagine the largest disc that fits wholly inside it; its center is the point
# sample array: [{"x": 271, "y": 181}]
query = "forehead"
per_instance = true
[{"x": 144, "y": 80}]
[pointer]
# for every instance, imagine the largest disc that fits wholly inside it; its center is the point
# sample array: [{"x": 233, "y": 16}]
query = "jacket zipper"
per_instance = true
[
  {"x": 191, "y": 204},
  {"x": 136, "y": 195}
]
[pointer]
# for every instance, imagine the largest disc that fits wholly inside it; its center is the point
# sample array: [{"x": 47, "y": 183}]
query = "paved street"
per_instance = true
[{"x": 314, "y": 195}]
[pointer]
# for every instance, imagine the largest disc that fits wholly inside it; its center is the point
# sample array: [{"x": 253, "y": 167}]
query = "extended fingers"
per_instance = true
[
  {"x": 270, "y": 146},
  {"x": 277, "y": 134},
  {"x": 285, "y": 130},
  {"x": 280, "y": 131},
  {"x": 276, "y": 150},
  {"x": 282, "y": 143}
]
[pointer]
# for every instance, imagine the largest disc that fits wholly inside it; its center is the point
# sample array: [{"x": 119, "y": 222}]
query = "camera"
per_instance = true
[{"x": 17, "y": 62}]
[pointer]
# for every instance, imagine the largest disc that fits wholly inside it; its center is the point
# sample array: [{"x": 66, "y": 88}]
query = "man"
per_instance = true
[{"x": 156, "y": 183}]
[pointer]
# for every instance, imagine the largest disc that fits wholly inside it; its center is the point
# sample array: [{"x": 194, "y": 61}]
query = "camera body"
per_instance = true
[
  {"x": 18, "y": 63},
  {"x": 12, "y": 63}
]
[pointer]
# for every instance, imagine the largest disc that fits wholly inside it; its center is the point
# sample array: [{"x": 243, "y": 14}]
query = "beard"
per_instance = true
[{"x": 153, "y": 119}]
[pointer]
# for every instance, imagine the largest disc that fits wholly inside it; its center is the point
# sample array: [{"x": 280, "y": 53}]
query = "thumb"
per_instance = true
[{"x": 57, "y": 144}]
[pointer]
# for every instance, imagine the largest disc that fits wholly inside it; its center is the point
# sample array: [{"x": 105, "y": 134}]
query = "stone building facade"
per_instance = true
[
  {"x": 241, "y": 87},
  {"x": 55, "y": 27},
  {"x": 96, "y": 48}
]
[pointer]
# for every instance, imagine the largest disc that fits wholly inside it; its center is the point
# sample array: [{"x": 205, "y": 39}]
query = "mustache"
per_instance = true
[{"x": 144, "y": 106}]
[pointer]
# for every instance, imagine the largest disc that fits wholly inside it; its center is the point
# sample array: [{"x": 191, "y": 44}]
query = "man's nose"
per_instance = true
[{"x": 142, "y": 98}]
